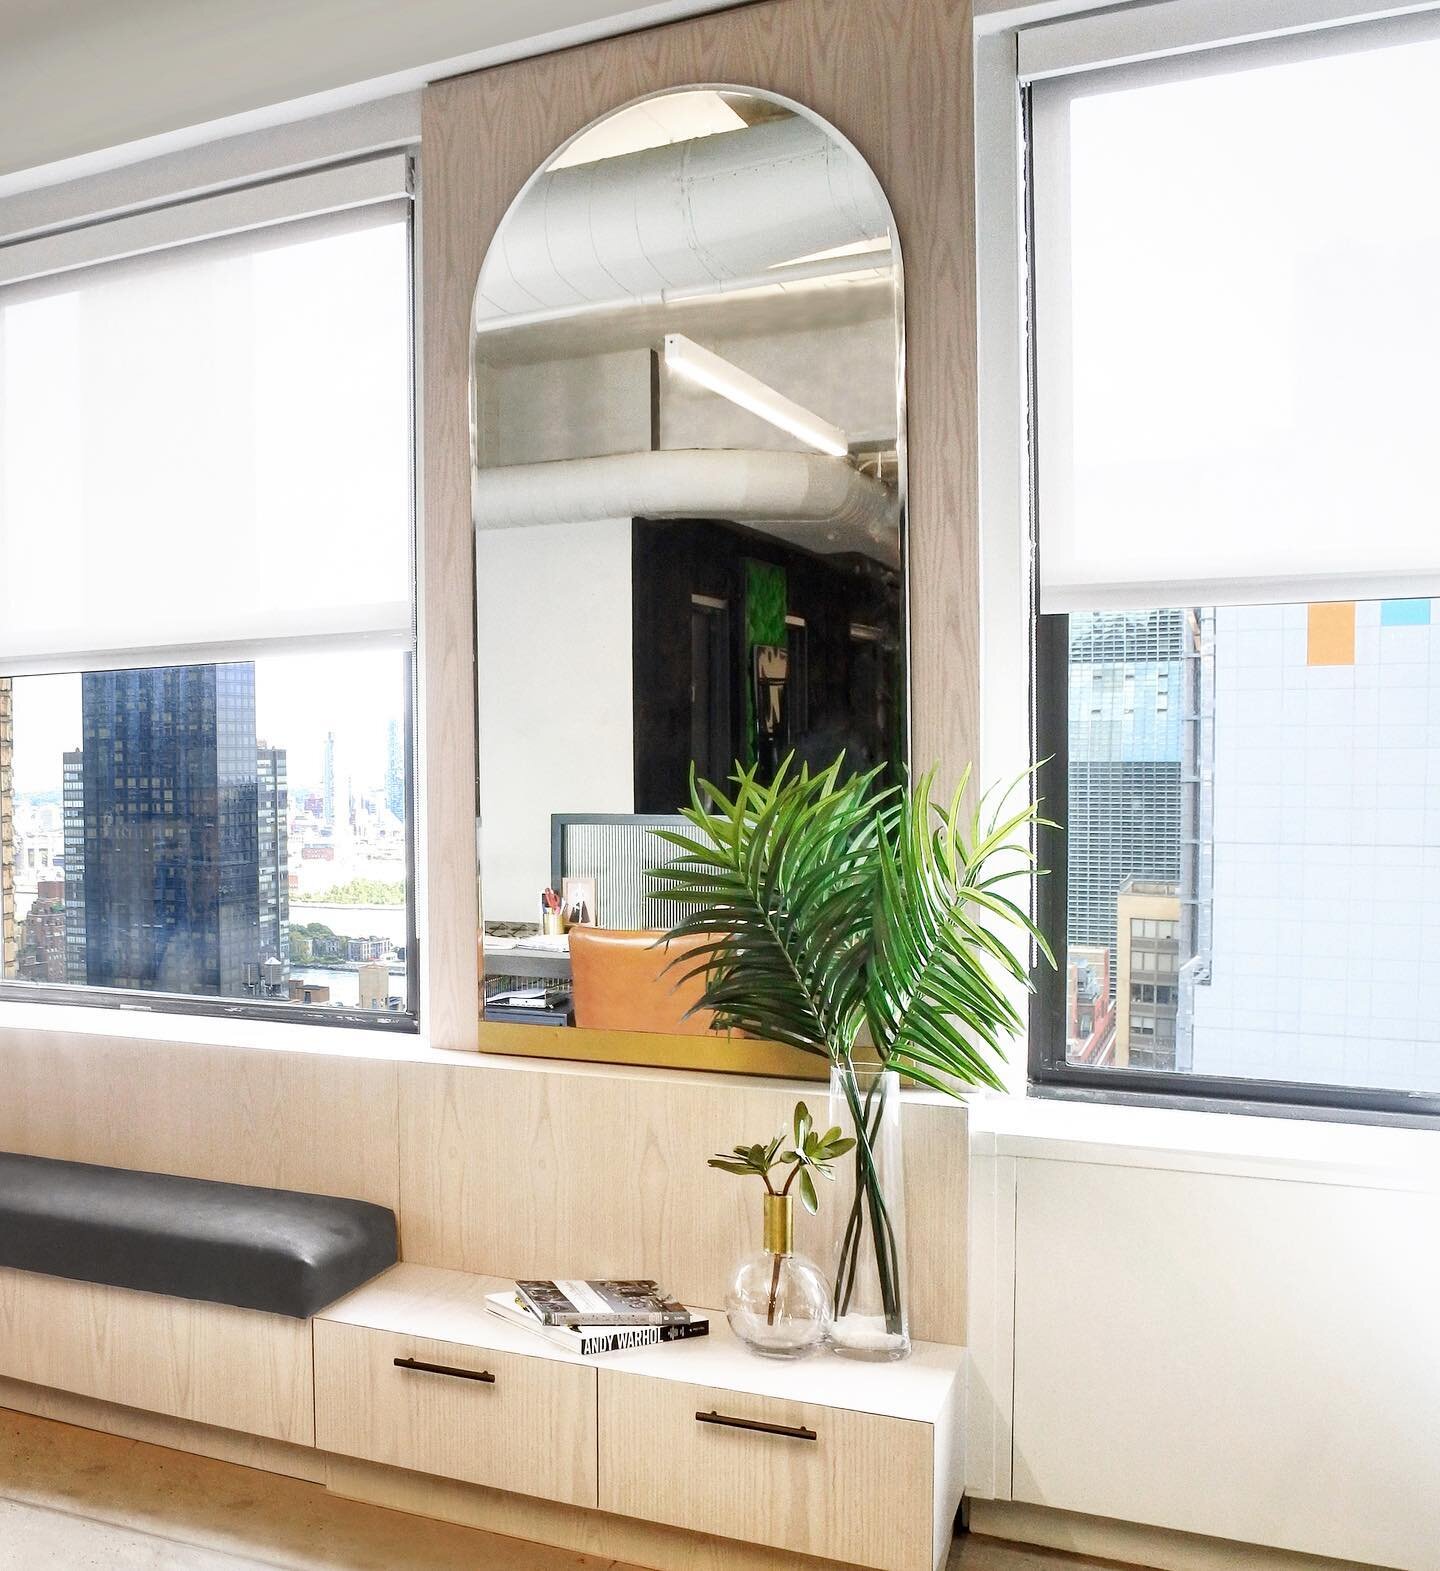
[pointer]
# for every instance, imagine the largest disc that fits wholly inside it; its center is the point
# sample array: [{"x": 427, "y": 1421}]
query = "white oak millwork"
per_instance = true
[
  {"x": 859, "y": 1491},
  {"x": 570, "y": 1528},
  {"x": 319, "y": 1122},
  {"x": 536, "y": 1169},
  {"x": 210, "y": 1363},
  {"x": 179, "y": 1434},
  {"x": 879, "y": 1486},
  {"x": 529, "y": 1431}
]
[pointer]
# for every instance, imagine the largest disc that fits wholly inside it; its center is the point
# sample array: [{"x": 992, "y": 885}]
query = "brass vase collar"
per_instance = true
[{"x": 779, "y": 1224}]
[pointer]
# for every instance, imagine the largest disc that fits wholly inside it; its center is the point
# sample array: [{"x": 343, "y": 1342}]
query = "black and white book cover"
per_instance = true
[
  {"x": 573, "y": 1302},
  {"x": 594, "y": 1339}
]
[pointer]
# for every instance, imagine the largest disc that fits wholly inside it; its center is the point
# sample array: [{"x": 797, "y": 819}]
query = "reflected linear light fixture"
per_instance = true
[
  {"x": 706, "y": 369},
  {"x": 653, "y": 122},
  {"x": 854, "y": 248}
]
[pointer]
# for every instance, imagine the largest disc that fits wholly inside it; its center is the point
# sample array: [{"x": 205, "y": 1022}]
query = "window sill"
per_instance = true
[
  {"x": 209, "y": 1031},
  {"x": 201, "y": 1031},
  {"x": 1309, "y": 1150}
]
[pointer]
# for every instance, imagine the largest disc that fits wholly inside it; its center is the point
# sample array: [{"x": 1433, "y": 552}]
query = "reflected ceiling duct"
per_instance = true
[
  {"x": 699, "y": 213},
  {"x": 821, "y": 503}
]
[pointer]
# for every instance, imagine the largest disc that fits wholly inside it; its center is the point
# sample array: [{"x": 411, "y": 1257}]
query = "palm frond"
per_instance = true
[
  {"x": 781, "y": 876},
  {"x": 823, "y": 902},
  {"x": 933, "y": 1003}
]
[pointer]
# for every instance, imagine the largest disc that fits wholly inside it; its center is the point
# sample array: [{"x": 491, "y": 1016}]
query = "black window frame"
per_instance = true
[{"x": 1049, "y": 1074}]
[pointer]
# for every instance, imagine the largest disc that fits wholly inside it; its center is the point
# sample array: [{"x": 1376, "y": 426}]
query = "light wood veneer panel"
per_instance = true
[
  {"x": 532, "y": 1430},
  {"x": 320, "y": 1122},
  {"x": 177, "y": 1434},
  {"x": 210, "y": 1363},
  {"x": 860, "y": 1490},
  {"x": 519, "y": 1169},
  {"x": 570, "y": 1528}
]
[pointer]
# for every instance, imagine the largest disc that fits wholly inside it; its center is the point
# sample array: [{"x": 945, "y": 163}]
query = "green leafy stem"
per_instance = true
[{"x": 813, "y": 1153}]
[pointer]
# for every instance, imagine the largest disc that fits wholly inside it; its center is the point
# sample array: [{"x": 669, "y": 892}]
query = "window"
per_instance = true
[
  {"x": 1238, "y": 635},
  {"x": 206, "y": 608}
]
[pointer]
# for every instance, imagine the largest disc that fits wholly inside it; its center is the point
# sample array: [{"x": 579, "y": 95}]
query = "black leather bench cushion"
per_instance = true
[{"x": 270, "y": 1249}]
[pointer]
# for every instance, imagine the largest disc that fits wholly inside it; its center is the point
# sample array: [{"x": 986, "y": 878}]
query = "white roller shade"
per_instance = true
[
  {"x": 205, "y": 448},
  {"x": 1128, "y": 33},
  {"x": 1237, "y": 324}
]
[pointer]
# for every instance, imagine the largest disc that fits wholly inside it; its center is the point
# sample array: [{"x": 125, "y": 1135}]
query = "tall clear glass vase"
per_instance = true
[{"x": 871, "y": 1302}]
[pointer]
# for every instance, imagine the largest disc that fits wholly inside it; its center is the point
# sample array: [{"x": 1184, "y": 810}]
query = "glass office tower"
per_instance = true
[
  {"x": 171, "y": 860},
  {"x": 274, "y": 854}
]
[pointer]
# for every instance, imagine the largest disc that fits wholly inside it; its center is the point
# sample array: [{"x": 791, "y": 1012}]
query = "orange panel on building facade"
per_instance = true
[{"x": 1332, "y": 633}]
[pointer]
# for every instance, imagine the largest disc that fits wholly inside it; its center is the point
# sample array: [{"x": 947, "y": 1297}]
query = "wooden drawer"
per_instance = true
[
  {"x": 527, "y": 1426},
  {"x": 839, "y": 1484},
  {"x": 209, "y": 1363}
]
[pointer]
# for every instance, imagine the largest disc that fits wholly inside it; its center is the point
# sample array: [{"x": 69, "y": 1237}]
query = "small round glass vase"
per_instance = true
[{"x": 778, "y": 1303}]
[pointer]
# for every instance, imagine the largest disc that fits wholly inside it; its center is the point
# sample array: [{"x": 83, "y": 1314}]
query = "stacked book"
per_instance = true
[{"x": 598, "y": 1317}]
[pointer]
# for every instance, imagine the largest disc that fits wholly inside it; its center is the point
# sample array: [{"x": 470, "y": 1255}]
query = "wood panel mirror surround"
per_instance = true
[
  {"x": 828, "y": 69},
  {"x": 688, "y": 433}
]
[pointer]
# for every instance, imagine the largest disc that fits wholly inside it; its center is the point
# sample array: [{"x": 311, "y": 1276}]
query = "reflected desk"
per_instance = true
[{"x": 528, "y": 960}]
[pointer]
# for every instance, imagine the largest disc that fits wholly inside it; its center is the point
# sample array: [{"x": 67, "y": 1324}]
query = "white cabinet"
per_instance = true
[{"x": 1251, "y": 1358}]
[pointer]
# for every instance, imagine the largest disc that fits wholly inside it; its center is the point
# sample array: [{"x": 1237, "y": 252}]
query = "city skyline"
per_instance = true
[
  {"x": 168, "y": 857},
  {"x": 299, "y": 699}
]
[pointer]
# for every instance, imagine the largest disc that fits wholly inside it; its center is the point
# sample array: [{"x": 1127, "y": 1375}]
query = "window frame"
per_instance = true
[
  {"x": 1026, "y": 654},
  {"x": 251, "y": 174}
]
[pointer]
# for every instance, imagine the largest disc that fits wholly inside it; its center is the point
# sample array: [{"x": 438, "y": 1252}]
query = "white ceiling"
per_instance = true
[{"x": 80, "y": 78}]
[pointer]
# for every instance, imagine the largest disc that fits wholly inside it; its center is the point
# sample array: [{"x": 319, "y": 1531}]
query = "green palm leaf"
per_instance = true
[
  {"x": 781, "y": 876},
  {"x": 822, "y": 903},
  {"x": 934, "y": 1004}
]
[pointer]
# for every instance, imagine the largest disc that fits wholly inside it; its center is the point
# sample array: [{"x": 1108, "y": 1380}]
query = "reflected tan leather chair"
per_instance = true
[{"x": 619, "y": 982}]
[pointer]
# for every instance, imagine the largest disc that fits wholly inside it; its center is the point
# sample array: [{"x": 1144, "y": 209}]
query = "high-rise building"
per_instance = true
[
  {"x": 1147, "y": 975},
  {"x": 327, "y": 779},
  {"x": 1326, "y": 845},
  {"x": 1123, "y": 820},
  {"x": 171, "y": 829},
  {"x": 72, "y": 799},
  {"x": 274, "y": 853},
  {"x": 41, "y": 936},
  {"x": 395, "y": 770},
  {"x": 7, "y": 830}
]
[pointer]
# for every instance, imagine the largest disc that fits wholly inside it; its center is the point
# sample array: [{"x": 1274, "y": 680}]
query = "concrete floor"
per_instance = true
[{"x": 75, "y": 1500}]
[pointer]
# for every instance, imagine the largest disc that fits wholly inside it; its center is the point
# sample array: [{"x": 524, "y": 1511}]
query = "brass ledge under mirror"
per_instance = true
[{"x": 688, "y": 440}]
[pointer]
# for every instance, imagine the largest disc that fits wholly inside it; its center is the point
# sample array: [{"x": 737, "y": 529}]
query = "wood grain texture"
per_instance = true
[
  {"x": 446, "y": 716},
  {"x": 567, "y": 1527},
  {"x": 319, "y": 1122},
  {"x": 178, "y": 1434},
  {"x": 450, "y": 1306},
  {"x": 209, "y": 1363},
  {"x": 860, "y": 1490},
  {"x": 892, "y": 76},
  {"x": 532, "y": 1429},
  {"x": 522, "y": 1169}
]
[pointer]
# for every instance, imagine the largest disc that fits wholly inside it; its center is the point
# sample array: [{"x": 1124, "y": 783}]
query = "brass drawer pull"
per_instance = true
[
  {"x": 790, "y": 1431},
  {"x": 445, "y": 1369}
]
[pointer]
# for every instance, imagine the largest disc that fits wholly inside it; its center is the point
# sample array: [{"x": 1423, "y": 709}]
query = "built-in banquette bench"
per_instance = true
[
  {"x": 215, "y": 1316},
  {"x": 178, "y": 1295}
]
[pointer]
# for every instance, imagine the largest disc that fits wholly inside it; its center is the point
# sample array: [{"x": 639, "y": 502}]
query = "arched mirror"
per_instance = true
[{"x": 689, "y": 498}]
